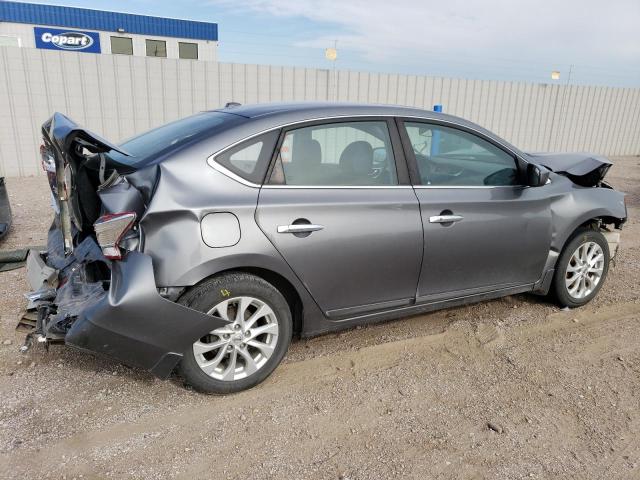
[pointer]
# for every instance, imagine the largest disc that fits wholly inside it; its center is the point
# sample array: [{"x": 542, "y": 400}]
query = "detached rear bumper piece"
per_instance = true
[{"x": 132, "y": 323}]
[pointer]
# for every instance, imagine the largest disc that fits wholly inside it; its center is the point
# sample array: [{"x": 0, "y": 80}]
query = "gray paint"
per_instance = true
[
  {"x": 370, "y": 246},
  {"x": 503, "y": 240},
  {"x": 371, "y": 256},
  {"x": 220, "y": 229},
  {"x": 133, "y": 323}
]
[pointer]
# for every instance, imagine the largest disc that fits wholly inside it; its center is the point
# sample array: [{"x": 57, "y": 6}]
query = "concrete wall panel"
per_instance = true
[{"x": 120, "y": 96}]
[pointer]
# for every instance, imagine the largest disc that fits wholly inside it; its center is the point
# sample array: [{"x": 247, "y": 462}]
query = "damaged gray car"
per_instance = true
[{"x": 204, "y": 245}]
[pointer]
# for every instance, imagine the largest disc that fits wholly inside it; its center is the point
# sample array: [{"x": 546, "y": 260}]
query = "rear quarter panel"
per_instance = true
[{"x": 187, "y": 190}]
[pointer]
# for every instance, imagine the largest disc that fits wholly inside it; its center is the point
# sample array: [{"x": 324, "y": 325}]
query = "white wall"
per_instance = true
[
  {"x": 118, "y": 96},
  {"x": 206, "y": 49}
]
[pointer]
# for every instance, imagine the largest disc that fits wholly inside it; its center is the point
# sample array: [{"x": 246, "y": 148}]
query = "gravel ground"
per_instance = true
[{"x": 512, "y": 388}]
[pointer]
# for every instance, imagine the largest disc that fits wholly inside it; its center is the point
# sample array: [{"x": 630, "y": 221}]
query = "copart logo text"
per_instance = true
[{"x": 68, "y": 40}]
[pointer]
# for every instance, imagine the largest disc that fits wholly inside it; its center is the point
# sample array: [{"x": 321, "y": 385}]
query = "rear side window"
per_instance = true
[{"x": 250, "y": 159}]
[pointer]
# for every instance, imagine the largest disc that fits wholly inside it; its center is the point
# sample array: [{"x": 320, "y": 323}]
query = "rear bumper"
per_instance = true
[{"x": 132, "y": 323}]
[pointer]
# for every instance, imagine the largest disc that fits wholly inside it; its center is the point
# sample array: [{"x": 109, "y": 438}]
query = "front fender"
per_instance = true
[{"x": 581, "y": 206}]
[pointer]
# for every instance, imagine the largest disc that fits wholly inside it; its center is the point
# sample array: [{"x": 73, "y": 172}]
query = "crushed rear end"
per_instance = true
[{"x": 94, "y": 288}]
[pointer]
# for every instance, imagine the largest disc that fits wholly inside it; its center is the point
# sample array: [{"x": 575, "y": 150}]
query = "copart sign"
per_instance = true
[{"x": 70, "y": 40}]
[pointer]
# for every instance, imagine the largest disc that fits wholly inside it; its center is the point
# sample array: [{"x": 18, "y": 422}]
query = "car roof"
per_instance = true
[
  {"x": 271, "y": 115},
  {"x": 328, "y": 109}
]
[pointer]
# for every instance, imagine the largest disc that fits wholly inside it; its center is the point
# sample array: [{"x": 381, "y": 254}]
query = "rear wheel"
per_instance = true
[
  {"x": 582, "y": 268},
  {"x": 246, "y": 351}
]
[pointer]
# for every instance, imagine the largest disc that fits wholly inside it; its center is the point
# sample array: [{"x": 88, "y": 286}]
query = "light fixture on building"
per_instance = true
[
  {"x": 555, "y": 75},
  {"x": 121, "y": 30}
]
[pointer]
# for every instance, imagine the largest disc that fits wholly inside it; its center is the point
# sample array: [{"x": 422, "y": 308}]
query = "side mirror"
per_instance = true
[{"x": 537, "y": 175}]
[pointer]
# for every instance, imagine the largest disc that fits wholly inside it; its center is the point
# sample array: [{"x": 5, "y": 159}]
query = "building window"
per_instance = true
[
  {"x": 9, "y": 41},
  {"x": 188, "y": 50},
  {"x": 156, "y": 48},
  {"x": 121, "y": 46}
]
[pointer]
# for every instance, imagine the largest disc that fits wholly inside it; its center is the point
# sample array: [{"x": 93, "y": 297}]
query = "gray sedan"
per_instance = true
[{"x": 206, "y": 244}]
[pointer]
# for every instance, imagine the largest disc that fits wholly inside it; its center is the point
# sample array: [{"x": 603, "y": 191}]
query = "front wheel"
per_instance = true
[
  {"x": 245, "y": 352},
  {"x": 582, "y": 268}
]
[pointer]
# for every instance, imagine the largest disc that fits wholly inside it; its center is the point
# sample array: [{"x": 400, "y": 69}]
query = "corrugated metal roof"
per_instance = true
[{"x": 88, "y": 19}]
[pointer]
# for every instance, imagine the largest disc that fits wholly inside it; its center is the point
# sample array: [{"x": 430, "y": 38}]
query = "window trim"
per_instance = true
[
  {"x": 397, "y": 119},
  {"x": 402, "y": 174},
  {"x": 111, "y": 37},
  {"x": 412, "y": 163}
]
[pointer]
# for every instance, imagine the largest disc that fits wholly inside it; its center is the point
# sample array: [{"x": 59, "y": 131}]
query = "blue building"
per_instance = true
[{"x": 83, "y": 30}]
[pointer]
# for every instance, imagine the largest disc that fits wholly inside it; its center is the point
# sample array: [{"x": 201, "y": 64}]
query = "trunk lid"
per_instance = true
[{"x": 584, "y": 169}]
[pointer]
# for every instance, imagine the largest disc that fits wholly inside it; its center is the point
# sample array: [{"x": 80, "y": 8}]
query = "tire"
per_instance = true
[
  {"x": 569, "y": 268},
  {"x": 210, "y": 297}
]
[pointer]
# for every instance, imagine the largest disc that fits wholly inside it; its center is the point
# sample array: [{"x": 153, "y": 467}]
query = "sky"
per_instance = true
[{"x": 524, "y": 40}]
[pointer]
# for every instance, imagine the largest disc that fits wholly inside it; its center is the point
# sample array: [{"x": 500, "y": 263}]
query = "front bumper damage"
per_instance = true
[{"x": 130, "y": 321}]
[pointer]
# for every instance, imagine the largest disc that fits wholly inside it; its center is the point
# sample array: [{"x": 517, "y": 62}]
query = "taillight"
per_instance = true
[{"x": 110, "y": 229}]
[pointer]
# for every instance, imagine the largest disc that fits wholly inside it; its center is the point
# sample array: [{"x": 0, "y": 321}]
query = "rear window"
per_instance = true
[{"x": 156, "y": 143}]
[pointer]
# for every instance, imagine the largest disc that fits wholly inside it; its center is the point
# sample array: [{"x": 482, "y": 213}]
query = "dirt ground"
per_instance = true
[{"x": 509, "y": 389}]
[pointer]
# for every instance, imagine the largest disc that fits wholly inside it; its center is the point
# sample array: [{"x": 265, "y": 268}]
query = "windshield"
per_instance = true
[{"x": 159, "y": 141}]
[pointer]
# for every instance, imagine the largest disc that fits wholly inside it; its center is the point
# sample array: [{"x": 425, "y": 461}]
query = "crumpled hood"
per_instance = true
[{"x": 584, "y": 169}]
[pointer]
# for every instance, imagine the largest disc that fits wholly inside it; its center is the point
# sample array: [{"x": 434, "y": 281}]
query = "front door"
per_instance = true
[
  {"x": 336, "y": 211},
  {"x": 483, "y": 229}
]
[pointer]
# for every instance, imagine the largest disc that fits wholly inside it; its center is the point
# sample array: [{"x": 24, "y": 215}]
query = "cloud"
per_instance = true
[{"x": 561, "y": 31}]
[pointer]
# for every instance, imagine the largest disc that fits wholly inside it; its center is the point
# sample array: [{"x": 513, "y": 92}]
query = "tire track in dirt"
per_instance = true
[{"x": 483, "y": 344}]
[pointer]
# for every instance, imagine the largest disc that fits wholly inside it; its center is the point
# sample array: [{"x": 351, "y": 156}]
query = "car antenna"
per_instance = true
[{"x": 232, "y": 104}]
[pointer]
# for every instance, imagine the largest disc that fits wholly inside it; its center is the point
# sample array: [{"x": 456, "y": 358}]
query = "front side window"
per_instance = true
[
  {"x": 156, "y": 48},
  {"x": 121, "y": 46},
  {"x": 450, "y": 157},
  {"x": 336, "y": 154},
  {"x": 188, "y": 50}
]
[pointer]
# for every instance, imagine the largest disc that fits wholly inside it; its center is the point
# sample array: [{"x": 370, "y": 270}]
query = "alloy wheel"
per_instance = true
[
  {"x": 242, "y": 347},
  {"x": 584, "y": 270}
]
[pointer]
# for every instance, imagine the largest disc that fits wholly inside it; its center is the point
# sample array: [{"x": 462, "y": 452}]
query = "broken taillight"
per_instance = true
[
  {"x": 109, "y": 231},
  {"x": 48, "y": 163}
]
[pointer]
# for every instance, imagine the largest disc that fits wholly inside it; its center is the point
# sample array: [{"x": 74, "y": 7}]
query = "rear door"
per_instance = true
[
  {"x": 339, "y": 208},
  {"x": 483, "y": 229}
]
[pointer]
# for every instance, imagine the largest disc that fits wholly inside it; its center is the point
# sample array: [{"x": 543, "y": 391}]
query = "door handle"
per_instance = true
[
  {"x": 299, "y": 228},
  {"x": 445, "y": 218}
]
